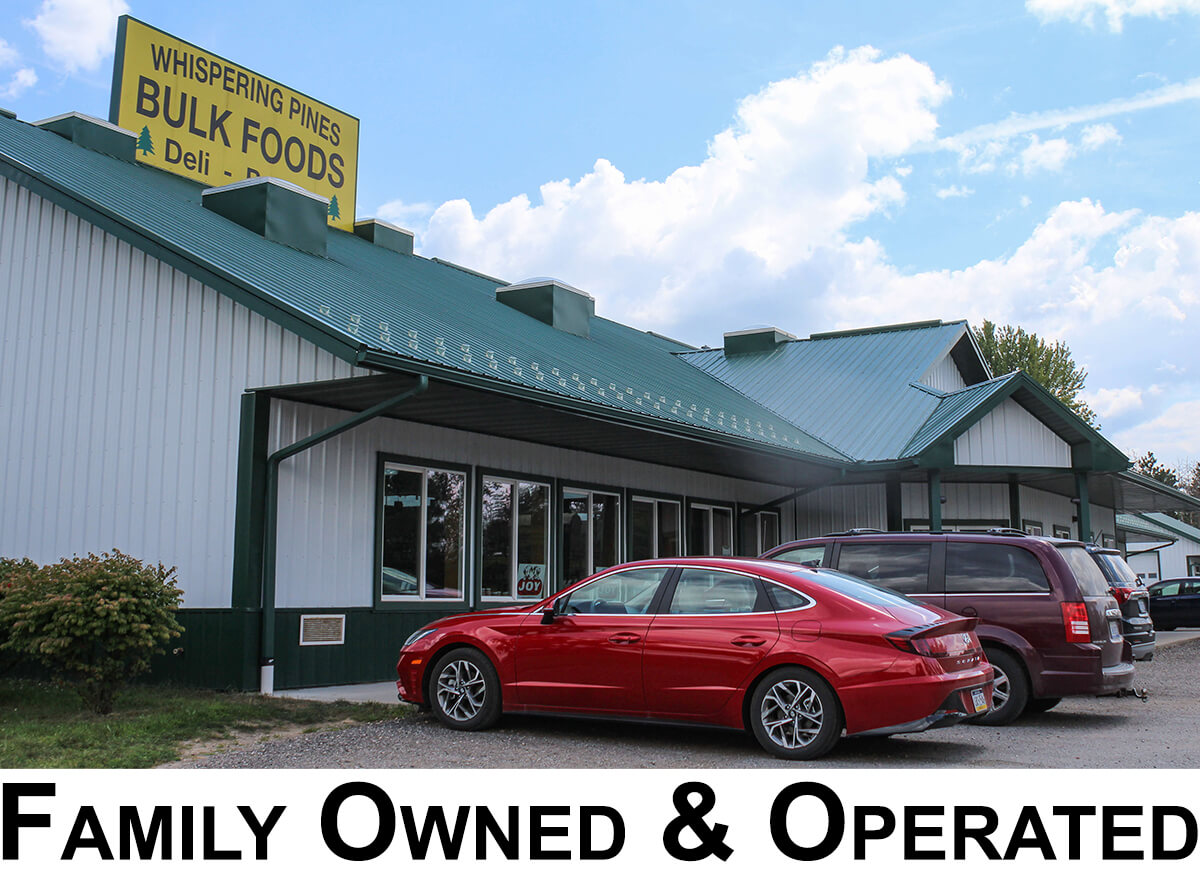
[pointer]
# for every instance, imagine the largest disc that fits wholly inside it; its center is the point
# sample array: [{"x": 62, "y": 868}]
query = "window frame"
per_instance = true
[
  {"x": 756, "y": 514},
  {"x": 513, "y": 478},
  {"x": 709, "y": 505},
  {"x": 420, "y": 602},
  {"x": 562, "y": 487},
  {"x": 632, "y": 496}
]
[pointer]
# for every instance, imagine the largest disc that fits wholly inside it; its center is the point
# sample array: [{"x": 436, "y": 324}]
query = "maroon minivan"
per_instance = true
[{"x": 1048, "y": 623}]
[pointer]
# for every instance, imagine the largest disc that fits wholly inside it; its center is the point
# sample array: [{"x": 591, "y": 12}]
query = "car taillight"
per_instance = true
[
  {"x": 1122, "y": 594},
  {"x": 947, "y": 645},
  {"x": 1075, "y": 622}
]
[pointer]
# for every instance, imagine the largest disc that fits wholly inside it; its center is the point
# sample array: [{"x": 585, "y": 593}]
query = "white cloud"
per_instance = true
[
  {"x": 1111, "y": 402},
  {"x": 1051, "y": 155},
  {"x": 21, "y": 81},
  {"x": 407, "y": 215},
  {"x": 974, "y": 139},
  {"x": 792, "y": 173},
  {"x": 9, "y": 56},
  {"x": 1096, "y": 135},
  {"x": 78, "y": 34},
  {"x": 1171, "y": 434},
  {"x": 954, "y": 191},
  {"x": 1114, "y": 11},
  {"x": 1025, "y": 201}
]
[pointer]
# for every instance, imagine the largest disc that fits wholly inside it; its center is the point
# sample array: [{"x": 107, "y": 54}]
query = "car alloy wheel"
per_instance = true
[
  {"x": 794, "y": 714},
  {"x": 465, "y": 691}
]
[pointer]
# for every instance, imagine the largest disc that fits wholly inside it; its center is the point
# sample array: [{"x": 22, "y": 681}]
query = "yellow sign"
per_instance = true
[{"x": 200, "y": 116}]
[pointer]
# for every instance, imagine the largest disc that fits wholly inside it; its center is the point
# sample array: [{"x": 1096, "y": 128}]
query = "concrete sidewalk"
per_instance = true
[{"x": 385, "y": 691}]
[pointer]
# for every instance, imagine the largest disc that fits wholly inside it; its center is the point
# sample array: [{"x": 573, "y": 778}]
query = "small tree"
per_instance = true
[
  {"x": 334, "y": 212},
  {"x": 1149, "y": 466},
  {"x": 93, "y": 621},
  {"x": 1049, "y": 363},
  {"x": 145, "y": 144}
]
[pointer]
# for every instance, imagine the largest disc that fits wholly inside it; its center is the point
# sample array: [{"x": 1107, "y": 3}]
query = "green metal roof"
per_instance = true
[
  {"x": 1158, "y": 524},
  {"x": 951, "y": 410},
  {"x": 367, "y": 303},
  {"x": 858, "y": 391}
]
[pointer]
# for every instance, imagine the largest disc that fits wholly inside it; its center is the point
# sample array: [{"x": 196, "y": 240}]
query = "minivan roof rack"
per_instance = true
[
  {"x": 858, "y": 531},
  {"x": 1006, "y": 531}
]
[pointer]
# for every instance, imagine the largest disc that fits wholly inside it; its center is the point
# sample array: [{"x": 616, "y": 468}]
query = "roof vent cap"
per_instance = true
[
  {"x": 385, "y": 235},
  {"x": 274, "y": 209},
  {"x": 551, "y": 302},
  {"x": 755, "y": 340},
  {"x": 93, "y": 134}
]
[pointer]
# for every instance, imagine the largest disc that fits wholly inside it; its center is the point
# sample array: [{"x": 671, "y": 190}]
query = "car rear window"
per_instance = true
[
  {"x": 1091, "y": 580},
  {"x": 784, "y": 598},
  {"x": 899, "y": 567},
  {"x": 985, "y": 567},
  {"x": 856, "y": 588},
  {"x": 1120, "y": 569}
]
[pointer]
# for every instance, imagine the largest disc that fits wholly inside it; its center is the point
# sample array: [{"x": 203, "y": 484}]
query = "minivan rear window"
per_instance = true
[
  {"x": 1091, "y": 580},
  {"x": 1120, "y": 569},
  {"x": 986, "y": 567}
]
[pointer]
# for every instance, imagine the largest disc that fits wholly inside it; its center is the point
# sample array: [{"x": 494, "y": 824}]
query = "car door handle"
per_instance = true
[
  {"x": 624, "y": 638},
  {"x": 749, "y": 641},
  {"x": 969, "y": 612}
]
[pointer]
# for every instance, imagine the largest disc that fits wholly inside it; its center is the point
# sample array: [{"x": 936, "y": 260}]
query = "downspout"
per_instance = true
[{"x": 266, "y": 674}]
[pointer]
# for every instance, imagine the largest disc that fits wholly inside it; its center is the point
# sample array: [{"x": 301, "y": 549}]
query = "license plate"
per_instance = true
[
  {"x": 979, "y": 700},
  {"x": 1141, "y": 607},
  {"x": 1114, "y": 631}
]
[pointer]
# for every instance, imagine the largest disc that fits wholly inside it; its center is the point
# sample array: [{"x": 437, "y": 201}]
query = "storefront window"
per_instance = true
[
  {"x": 760, "y": 532},
  {"x": 591, "y": 533},
  {"x": 515, "y": 555},
  {"x": 710, "y": 531},
  {"x": 654, "y": 528},
  {"x": 423, "y": 533}
]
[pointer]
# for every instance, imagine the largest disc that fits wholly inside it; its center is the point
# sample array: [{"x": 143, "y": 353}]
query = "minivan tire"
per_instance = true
[
  {"x": 1011, "y": 684},
  {"x": 1036, "y": 706}
]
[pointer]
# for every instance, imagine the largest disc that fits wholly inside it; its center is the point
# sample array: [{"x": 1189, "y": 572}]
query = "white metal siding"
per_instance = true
[
  {"x": 326, "y": 543},
  {"x": 964, "y": 502},
  {"x": 1048, "y": 509},
  {"x": 120, "y": 384},
  {"x": 945, "y": 376},
  {"x": 833, "y": 509},
  {"x": 1011, "y": 436}
]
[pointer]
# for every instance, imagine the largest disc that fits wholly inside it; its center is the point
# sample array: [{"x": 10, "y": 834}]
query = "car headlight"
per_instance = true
[{"x": 418, "y": 636}]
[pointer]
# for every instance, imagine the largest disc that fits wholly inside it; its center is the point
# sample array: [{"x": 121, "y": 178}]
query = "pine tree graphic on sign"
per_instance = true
[
  {"x": 334, "y": 212},
  {"x": 145, "y": 144}
]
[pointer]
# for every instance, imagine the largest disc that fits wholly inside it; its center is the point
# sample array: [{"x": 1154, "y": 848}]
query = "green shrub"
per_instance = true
[
  {"x": 12, "y": 573},
  {"x": 94, "y": 622}
]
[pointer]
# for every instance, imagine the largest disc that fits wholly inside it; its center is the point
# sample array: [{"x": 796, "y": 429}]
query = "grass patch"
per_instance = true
[{"x": 42, "y": 726}]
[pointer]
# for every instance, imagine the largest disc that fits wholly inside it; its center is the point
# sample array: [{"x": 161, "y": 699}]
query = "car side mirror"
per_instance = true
[{"x": 549, "y": 612}]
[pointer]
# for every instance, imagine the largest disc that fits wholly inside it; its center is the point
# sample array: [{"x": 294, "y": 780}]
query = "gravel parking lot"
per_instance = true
[{"x": 1079, "y": 733}]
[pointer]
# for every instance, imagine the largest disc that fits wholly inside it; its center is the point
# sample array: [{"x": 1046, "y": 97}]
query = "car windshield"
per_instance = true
[
  {"x": 855, "y": 588},
  {"x": 1091, "y": 580}
]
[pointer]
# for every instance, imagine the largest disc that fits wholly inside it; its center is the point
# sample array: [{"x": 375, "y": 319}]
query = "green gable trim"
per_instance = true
[
  {"x": 1089, "y": 450},
  {"x": 883, "y": 328}
]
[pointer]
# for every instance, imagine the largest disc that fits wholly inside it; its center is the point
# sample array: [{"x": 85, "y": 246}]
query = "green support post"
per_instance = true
[
  {"x": 935, "y": 500},
  {"x": 1084, "y": 512}
]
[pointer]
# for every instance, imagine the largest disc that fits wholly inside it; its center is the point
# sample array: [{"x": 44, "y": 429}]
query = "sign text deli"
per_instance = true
[{"x": 200, "y": 116}]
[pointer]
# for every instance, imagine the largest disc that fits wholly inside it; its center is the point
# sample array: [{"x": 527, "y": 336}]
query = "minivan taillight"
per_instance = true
[
  {"x": 1122, "y": 594},
  {"x": 1075, "y": 622}
]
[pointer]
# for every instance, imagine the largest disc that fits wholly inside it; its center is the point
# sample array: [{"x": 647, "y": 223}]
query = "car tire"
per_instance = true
[
  {"x": 794, "y": 714},
  {"x": 464, "y": 690},
  {"x": 1036, "y": 706},
  {"x": 1011, "y": 689}
]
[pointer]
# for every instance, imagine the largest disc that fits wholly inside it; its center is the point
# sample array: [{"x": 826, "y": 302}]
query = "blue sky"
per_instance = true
[{"x": 703, "y": 167}]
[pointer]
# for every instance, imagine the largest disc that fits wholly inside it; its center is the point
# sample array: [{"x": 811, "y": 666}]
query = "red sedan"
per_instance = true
[{"x": 799, "y": 656}]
